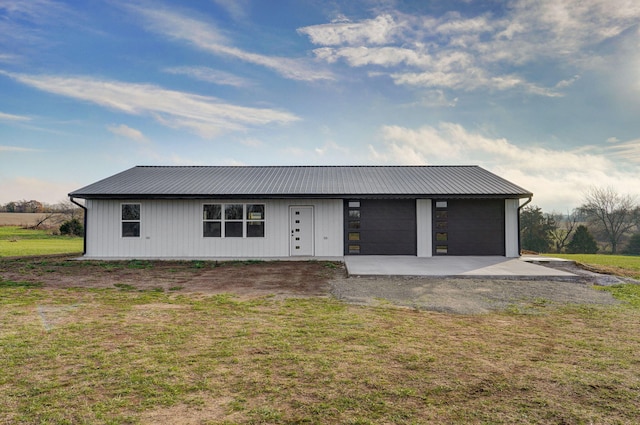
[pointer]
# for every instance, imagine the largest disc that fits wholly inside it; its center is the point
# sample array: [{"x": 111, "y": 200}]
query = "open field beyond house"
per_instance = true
[
  {"x": 157, "y": 342},
  {"x": 16, "y": 241}
]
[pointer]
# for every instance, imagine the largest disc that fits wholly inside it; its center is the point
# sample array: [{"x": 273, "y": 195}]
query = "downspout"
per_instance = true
[
  {"x": 519, "y": 208},
  {"x": 84, "y": 242}
]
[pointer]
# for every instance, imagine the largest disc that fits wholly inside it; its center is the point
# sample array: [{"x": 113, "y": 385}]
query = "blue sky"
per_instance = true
[{"x": 543, "y": 93}]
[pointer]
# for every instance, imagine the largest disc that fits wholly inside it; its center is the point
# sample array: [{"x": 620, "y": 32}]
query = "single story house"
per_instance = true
[{"x": 307, "y": 211}]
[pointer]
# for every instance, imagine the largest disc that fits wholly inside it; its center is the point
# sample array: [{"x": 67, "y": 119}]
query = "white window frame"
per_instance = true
[
  {"x": 123, "y": 221},
  {"x": 245, "y": 220}
]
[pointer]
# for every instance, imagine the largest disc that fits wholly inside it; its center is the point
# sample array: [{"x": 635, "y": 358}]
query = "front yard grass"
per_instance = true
[
  {"x": 620, "y": 265},
  {"x": 109, "y": 356}
]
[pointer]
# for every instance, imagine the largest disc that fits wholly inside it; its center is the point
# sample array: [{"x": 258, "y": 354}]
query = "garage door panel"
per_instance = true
[
  {"x": 474, "y": 227},
  {"x": 387, "y": 227}
]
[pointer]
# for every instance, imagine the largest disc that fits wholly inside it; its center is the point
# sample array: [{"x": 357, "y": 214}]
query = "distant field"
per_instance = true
[
  {"x": 15, "y": 241},
  {"x": 622, "y": 265},
  {"x": 20, "y": 219}
]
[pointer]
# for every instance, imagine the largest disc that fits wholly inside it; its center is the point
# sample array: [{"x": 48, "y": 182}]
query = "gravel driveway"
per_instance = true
[{"x": 465, "y": 295}]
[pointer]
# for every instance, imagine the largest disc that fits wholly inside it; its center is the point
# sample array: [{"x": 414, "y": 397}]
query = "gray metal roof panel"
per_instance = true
[{"x": 338, "y": 181}]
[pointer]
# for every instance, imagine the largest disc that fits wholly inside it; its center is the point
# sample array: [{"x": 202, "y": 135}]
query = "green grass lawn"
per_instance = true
[
  {"x": 623, "y": 265},
  {"x": 15, "y": 241},
  {"x": 129, "y": 356}
]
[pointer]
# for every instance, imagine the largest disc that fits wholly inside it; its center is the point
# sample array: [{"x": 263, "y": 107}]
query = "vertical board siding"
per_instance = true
[
  {"x": 423, "y": 225},
  {"x": 173, "y": 229},
  {"x": 511, "y": 229}
]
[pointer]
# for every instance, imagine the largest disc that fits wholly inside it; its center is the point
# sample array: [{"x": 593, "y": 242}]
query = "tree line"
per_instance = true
[
  {"x": 65, "y": 215},
  {"x": 607, "y": 221},
  {"x": 33, "y": 206}
]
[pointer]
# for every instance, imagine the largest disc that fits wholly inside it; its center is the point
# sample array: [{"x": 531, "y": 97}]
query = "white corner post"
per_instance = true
[
  {"x": 423, "y": 227},
  {"x": 511, "y": 229}
]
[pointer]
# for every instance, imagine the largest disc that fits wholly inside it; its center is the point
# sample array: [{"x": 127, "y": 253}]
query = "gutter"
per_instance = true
[
  {"x": 84, "y": 242},
  {"x": 519, "y": 208}
]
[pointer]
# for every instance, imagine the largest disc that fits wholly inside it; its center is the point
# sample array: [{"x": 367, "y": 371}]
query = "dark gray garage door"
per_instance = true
[
  {"x": 468, "y": 227},
  {"x": 380, "y": 227}
]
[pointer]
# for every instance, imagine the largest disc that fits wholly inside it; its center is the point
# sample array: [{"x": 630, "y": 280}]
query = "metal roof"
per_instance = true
[{"x": 302, "y": 181}]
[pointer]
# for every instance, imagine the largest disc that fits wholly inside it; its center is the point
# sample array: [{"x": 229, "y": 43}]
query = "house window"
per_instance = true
[
  {"x": 212, "y": 220},
  {"x": 130, "y": 216},
  {"x": 441, "y": 228},
  {"x": 255, "y": 220},
  {"x": 352, "y": 228},
  {"x": 233, "y": 220}
]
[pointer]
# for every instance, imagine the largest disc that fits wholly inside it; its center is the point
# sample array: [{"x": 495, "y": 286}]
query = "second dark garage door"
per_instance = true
[
  {"x": 380, "y": 227},
  {"x": 468, "y": 227}
]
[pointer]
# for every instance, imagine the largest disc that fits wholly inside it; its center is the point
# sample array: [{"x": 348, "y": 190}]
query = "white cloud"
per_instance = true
[
  {"x": 17, "y": 149},
  {"x": 380, "y": 30},
  {"x": 210, "y": 75},
  {"x": 481, "y": 52},
  {"x": 252, "y": 143},
  {"x": 12, "y": 117},
  {"x": 332, "y": 146},
  {"x": 629, "y": 151},
  {"x": 8, "y": 58},
  {"x": 206, "y": 37},
  {"x": 128, "y": 132},
  {"x": 203, "y": 115},
  {"x": 235, "y": 8},
  {"x": 556, "y": 177}
]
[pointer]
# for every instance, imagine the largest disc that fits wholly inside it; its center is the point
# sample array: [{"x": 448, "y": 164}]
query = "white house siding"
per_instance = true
[
  {"x": 511, "y": 227},
  {"x": 173, "y": 229},
  {"x": 423, "y": 225}
]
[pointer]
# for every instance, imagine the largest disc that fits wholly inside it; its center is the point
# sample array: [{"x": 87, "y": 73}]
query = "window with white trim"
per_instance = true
[
  {"x": 212, "y": 220},
  {"x": 130, "y": 220},
  {"x": 233, "y": 220}
]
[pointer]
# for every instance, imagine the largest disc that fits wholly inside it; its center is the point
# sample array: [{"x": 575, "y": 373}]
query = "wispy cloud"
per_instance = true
[
  {"x": 203, "y": 115},
  {"x": 11, "y": 117},
  {"x": 23, "y": 21},
  {"x": 17, "y": 149},
  {"x": 237, "y": 9},
  {"x": 629, "y": 150},
  {"x": 556, "y": 176},
  {"x": 210, "y": 75},
  {"x": 128, "y": 132},
  {"x": 206, "y": 37},
  {"x": 377, "y": 31},
  {"x": 481, "y": 52}
]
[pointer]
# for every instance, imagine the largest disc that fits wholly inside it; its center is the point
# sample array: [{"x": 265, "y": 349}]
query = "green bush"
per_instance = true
[
  {"x": 72, "y": 227},
  {"x": 582, "y": 242},
  {"x": 634, "y": 245}
]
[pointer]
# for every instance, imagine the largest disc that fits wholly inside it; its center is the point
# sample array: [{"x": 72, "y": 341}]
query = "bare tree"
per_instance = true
[
  {"x": 610, "y": 212},
  {"x": 565, "y": 226}
]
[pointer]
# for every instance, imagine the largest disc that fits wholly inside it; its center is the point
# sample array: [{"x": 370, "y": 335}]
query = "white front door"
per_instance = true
[{"x": 301, "y": 229}]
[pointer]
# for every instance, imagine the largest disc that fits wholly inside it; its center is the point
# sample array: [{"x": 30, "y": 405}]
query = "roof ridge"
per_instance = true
[{"x": 305, "y": 166}]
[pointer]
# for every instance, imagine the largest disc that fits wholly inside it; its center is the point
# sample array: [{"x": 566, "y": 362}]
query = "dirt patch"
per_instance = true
[
  {"x": 285, "y": 279},
  {"x": 243, "y": 279}
]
